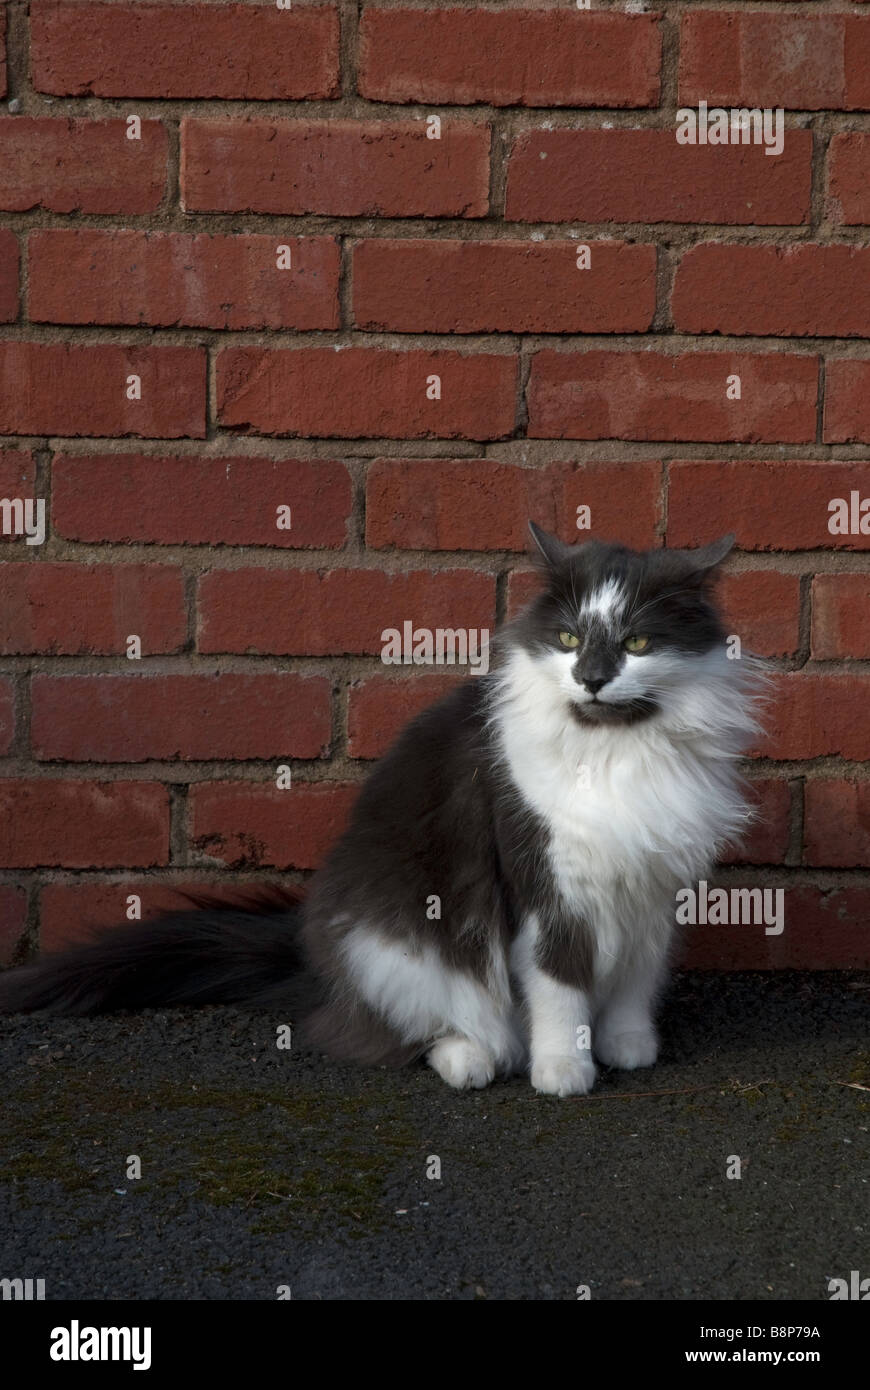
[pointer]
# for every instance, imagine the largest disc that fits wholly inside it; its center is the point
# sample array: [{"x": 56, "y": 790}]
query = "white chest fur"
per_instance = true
[{"x": 631, "y": 811}]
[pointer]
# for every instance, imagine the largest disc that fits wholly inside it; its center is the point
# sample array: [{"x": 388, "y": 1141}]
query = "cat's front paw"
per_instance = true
[
  {"x": 563, "y": 1076},
  {"x": 638, "y": 1048},
  {"x": 461, "y": 1063}
]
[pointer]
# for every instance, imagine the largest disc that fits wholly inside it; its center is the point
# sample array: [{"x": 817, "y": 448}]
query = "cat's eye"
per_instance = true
[
  {"x": 636, "y": 644},
  {"x": 569, "y": 639}
]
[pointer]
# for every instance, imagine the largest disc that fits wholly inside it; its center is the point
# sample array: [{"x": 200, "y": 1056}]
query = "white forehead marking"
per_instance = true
[{"x": 604, "y": 603}]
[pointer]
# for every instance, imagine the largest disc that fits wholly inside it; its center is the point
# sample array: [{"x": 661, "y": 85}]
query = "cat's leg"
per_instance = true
[
  {"x": 463, "y": 1019},
  {"x": 625, "y": 1034},
  {"x": 559, "y": 1016}
]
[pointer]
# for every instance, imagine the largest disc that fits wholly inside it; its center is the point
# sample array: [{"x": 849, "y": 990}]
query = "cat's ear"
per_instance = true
[
  {"x": 551, "y": 550},
  {"x": 701, "y": 564}
]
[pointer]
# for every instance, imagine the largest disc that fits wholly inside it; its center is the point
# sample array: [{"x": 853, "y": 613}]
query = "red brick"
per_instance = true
[
  {"x": 841, "y": 616},
  {"x": 13, "y": 911},
  {"x": 645, "y": 176},
  {"x": 198, "y": 281},
  {"x": 480, "y": 504},
  {"x": 816, "y": 715},
  {"x": 83, "y": 825},
  {"x": 187, "y": 50},
  {"x": 361, "y": 393},
  {"x": 837, "y": 823},
  {"x": 133, "y": 718},
  {"x": 8, "y": 276},
  {"x": 72, "y": 164},
  {"x": 214, "y": 500},
  {"x": 796, "y": 291},
  {"x": 290, "y": 612},
  {"x": 849, "y": 178},
  {"x": 338, "y": 168},
  {"x": 17, "y": 478},
  {"x": 246, "y": 824},
  {"x": 379, "y": 708},
  {"x": 7, "y": 716},
  {"x": 824, "y": 929},
  {"x": 419, "y": 286},
  {"x": 763, "y": 608},
  {"x": 789, "y": 60},
  {"x": 776, "y": 504},
  {"x": 69, "y": 912},
  {"x": 66, "y": 389},
  {"x": 658, "y": 396},
  {"x": 768, "y": 837},
  {"x": 847, "y": 402},
  {"x": 511, "y": 58},
  {"x": 523, "y": 586},
  {"x": 69, "y": 609}
]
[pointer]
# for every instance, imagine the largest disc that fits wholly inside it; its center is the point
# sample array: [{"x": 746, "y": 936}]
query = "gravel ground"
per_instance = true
[{"x": 263, "y": 1167}]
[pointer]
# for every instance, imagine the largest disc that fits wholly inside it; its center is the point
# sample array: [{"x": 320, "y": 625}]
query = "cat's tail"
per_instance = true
[{"x": 246, "y": 952}]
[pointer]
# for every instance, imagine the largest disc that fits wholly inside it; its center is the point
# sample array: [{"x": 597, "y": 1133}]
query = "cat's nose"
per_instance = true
[{"x": 593, "y": 686}]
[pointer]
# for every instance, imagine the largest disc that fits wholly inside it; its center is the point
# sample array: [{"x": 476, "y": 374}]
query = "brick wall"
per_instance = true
[{"x": 238, "y": 311}]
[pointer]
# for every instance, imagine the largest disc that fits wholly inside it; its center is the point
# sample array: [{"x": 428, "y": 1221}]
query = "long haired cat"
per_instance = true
[{"x": 504, "y": 895}]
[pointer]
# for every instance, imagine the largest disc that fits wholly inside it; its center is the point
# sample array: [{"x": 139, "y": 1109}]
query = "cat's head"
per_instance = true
[{"x": 622, "y": 633}]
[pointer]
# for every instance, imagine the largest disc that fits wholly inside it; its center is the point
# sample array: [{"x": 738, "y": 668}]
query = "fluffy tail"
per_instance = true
[{"x": 246, "y": 952}]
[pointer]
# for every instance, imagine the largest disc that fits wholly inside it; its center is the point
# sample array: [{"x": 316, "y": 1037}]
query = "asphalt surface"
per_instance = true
[{"x": 264, "y": 1167}]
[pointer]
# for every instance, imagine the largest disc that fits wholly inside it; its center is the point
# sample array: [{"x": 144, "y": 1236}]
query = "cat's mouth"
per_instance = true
[{"x": 614, "y": 711}]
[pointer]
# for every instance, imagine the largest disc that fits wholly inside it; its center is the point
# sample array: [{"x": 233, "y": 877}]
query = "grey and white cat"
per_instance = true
[{"x": 504, "y": 895}]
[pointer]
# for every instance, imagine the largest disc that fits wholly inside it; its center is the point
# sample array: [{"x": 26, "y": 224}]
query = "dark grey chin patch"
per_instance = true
[{"x": 627, "y": 712}]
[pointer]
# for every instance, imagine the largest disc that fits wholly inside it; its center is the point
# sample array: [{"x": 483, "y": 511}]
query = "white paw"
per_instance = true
[
  {"x": 461, "y": 1063},
  {"x": 563, "y": 1076},
  {"x": 639, "y": 1048}
]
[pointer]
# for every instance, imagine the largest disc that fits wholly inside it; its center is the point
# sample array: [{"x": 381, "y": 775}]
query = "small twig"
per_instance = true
[
  {"x": 683, "y": 1091},
  {"x": 852, "y": 1085}
]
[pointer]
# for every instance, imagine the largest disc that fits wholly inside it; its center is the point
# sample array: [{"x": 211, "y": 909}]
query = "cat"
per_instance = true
[{"x": 503, "y": 898}]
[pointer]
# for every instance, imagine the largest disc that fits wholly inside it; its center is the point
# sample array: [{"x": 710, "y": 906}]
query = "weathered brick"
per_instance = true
[
  {"x": 134, "y": 718},
  {"x": 8, "y": 276},
  {"x": 824, "y": 929},
  {"x": 82, "y": 824},
  {"x": 379, "y": 708},
  {"x": 817, "y": 715},
  {"x": 189, "y": 50},
  {"x": 366, "y": 393},
  {"x": 739, "y": 59},
  {"x": 164, "y": 279},
  {"x": 847, "y": 402},
  {"x": 78, "y": 389},
  {"x": 763, "y": 608},
  {"x": 645, "y": 176},
  {"x": 420, "y": 286},
  {"x": 74, "y": 164},
  {"x": 71, "y": 609},
  {"x": 778, "y": 504},
  {"x": 848, "y": 198},
  {"x": 796, "y": 291},
  {"x": 659, "y": 396},
  {"x": 7, "y": 716},
  {"x": 13, "y": 910},
  {"x": 837, "y": 823},
  {"x": 284, "y": 612},
  {"x": 510, "y": 58},
  {"x": 841, "y": 617},
  {"x": 480, "y": 504},
  {"x": 246, "y": 825},
  {"x": 207, "y": 500},
  {"x": 338, "y": 168}
]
